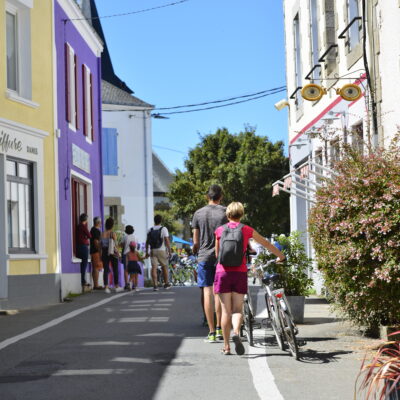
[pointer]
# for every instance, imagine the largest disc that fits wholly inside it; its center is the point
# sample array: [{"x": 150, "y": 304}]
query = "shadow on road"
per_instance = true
[{"x": 319, "y": 357}]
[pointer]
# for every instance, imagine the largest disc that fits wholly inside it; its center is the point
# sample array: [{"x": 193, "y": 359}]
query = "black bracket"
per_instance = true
[
  {"x": 312, "y": 70},
  {"x": 342, "y": 35},
  {"x": 292, "y": 96},
  {"x": 322, "y": 58}
]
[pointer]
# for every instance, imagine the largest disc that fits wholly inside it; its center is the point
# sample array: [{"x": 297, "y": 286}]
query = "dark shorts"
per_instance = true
[
  {"x": 205, "y": 274},
  {"x": 134, "y": 267},
  {"x": 230, "y": 281}
]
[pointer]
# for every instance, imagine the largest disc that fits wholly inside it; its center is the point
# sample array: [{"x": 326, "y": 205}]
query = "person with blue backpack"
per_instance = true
[{"x": 230, "y": 284}]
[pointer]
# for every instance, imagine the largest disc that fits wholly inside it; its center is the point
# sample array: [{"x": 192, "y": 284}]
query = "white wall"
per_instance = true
[
  {"x": 388, "y": 17},
  {"x": 134, "y": 183}
]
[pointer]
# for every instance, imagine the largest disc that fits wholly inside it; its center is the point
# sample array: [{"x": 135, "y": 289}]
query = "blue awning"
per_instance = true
[{"x": 176, "y": 239}]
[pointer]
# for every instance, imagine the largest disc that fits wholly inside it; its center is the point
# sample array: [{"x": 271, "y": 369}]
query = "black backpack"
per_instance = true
[
  {"x": 154, "y": 238},
  {"x": 231, "y": 250}
]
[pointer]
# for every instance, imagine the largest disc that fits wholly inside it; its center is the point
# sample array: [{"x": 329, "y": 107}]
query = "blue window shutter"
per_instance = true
[
  {"x": 113, "y": 155},
  {"x": 110, "y": 154}
]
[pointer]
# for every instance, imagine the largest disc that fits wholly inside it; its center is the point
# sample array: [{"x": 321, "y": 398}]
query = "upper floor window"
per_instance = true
[
  {"x": 314, "y": 38},
  {"x": 330, "y": 37},
  {"x": 354, "y": 36},
  {"x": 110, "y": 151},
  {"x": 87, "y": 83},
  {"x": 18, "y": 49},
  {"x": 297, "y": 58},
  {"x": 71, "y": 81}
]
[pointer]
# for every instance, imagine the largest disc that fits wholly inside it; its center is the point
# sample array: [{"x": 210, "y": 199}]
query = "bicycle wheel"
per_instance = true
[
  {"x": 248, "y": 323},
  {"x": 288, "y": 331},
  {"x": 275, "y": 322}
]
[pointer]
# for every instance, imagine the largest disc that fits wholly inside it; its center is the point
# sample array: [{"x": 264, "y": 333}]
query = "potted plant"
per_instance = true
[
  {"x": 382, "y": 375},
  {"x": 294, "y": 272}
]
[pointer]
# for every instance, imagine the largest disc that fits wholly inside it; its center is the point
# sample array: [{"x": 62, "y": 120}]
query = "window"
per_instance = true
[
  {"x": 79, "y": 204},
  {"x": 354, "y": 31},
  {"x": 334, "y": 152},
  {"x": 12, "y": 46},
  {"x": 20, "y": 206},
  {"x": 297, "y": 58},
  {"x": 358, "y": 138},
  {"x": 111, "y": 211},
  {"x": 18, "y": 50},
  {"x": 71, "y": 81},
  {"x": 314, "y": 40},
  {"x": 110, "y": 151},
  {"x": 330, "y": 37},
  {"x": 87, "y": 83}
]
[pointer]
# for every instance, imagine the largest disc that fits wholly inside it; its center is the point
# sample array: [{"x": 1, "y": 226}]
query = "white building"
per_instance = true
[
  {"x": 326, "y": 45},
  {"x": 127, "y": 159}
]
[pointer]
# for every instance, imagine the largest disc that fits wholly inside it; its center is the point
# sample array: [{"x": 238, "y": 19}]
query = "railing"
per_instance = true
[{"x": 304, "y": 181}]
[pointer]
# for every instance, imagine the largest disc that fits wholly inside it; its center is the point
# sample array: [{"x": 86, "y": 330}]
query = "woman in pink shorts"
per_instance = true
[{"x": 231, "y": 281}]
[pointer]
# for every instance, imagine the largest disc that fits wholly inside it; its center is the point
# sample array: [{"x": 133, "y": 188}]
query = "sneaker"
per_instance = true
[
  {"x": 118, "y": 289},
  {"x": 155, "y": 289},
  {"x": 218, "y": 334},
  {"x": 211, "y": 338},
  {"x": 167, "y": 286},
  {"x": 107, "y": 290},
  {"x": 239, "y": 348},
  {"x": 127, "y": 287}
]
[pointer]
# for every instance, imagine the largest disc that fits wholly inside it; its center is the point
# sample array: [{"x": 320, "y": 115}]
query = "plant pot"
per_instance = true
[
  {"x": 385, "y": 331},
  {"x": 296, "y": 304}
]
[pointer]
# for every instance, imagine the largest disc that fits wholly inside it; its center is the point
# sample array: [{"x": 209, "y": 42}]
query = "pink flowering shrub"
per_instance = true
[{"x": 355, "y": 227}]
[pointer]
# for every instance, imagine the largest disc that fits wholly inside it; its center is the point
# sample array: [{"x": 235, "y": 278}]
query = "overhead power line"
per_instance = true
[
  {"x": 222, "y": 105},
  {"x": 222, "y": 101},
  {"x": 132, "y": 12}
]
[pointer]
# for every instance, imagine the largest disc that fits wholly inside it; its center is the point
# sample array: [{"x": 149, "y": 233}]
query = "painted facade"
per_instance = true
[
  {"x": 29, "y": 264},
  {"x": 78, "y": 67},
  {"x": 325, "y": 46}
]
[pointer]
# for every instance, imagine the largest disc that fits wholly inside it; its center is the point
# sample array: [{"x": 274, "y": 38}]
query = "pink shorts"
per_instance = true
[{"x": 230, "y": 281}]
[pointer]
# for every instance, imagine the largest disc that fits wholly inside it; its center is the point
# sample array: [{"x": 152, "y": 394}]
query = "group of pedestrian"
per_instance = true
[
  {"x": 221, "y": 242},
  {"x": 105, "y": 252}
]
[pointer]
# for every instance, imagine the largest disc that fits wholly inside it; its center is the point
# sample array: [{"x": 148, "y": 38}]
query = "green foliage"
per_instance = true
[
  {"x": 245, "y": 165},
  {"x": 293, "y": 271},
  {"x": 170, "y": 222},
  {"x": 355, "y": 227}
]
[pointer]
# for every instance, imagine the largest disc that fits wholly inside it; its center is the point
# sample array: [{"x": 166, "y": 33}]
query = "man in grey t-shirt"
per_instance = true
[{"x": 205, "y": 221}]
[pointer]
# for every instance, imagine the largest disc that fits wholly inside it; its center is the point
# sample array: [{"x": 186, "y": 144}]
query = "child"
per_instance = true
[{"x": 133, "y": 266}]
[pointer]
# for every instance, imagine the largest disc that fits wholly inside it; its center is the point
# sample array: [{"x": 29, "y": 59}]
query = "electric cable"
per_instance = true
[
  {"x": 219, "y": 106},
  {"x": 130, "y": 12},
  {"x": 221, "y": 101}
]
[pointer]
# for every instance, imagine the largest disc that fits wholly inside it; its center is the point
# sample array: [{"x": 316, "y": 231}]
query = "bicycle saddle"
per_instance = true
[{"x": 268, "y": 278}]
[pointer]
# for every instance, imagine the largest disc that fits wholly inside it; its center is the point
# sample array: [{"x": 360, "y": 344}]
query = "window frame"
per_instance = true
[
  {"x": 314, "y": 40},
  {"x": 297, "y": 59},
  {"x": 88, "y": 116},
  {"x": 30, "y": 182},
  {"x": 71, "y": 90}
]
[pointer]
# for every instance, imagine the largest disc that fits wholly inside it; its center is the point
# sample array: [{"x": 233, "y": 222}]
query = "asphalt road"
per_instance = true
[{"x": 150, "y": 345}]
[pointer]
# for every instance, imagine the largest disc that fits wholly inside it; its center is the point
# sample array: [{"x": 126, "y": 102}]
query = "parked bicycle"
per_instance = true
[{"x": 279, "y": 314}]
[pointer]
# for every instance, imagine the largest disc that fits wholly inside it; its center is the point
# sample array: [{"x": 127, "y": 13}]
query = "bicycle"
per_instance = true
[
  {"x": 279, "y": 313},
  {"x": 248, "y": 319}
]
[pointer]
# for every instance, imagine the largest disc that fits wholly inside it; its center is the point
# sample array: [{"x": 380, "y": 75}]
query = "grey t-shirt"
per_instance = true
[{"x": 207, "y": 220}]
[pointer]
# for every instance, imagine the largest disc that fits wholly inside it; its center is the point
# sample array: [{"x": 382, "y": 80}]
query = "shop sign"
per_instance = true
[
  {"x": 80, "y": 158},
  {"x": 11, "y": 143}
]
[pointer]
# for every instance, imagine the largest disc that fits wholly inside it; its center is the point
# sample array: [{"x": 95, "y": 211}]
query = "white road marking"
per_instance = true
[
  {"x": 132, "y": 319},
  {"x": 112, "y": 343},
  {"x": 264, "y": 381},
  {"x": 57, "y": 321},
  {"x": 75, "y": 372},
  {"x": 132, "y": 360}
]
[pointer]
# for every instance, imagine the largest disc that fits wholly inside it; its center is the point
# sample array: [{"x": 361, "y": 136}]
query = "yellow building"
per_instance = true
[{"x": 29, "y": 267}]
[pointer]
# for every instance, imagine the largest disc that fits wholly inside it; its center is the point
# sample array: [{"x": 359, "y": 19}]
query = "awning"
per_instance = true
[{"x": 177, "y": 239}]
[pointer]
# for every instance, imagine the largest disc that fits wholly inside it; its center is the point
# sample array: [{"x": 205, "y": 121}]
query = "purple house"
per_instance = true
[{"x": 78, "y": 67}]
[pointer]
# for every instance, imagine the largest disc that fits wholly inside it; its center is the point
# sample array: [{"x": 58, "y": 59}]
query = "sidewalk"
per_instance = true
[{"x": 330, "y": 358}]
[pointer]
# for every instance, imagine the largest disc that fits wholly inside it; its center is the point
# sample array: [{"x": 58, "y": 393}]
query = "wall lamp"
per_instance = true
[{"x": 281, "y": 104}]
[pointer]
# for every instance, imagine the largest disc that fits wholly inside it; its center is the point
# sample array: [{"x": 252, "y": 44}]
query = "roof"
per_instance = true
[
  {"x": 162, "y": 176},
  {"x": 107, "y": 70},
  {"x": 114, "y": 95}
]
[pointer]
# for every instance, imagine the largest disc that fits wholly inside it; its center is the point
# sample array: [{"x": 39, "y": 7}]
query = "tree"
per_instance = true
[{"x": 245, "y": 165}]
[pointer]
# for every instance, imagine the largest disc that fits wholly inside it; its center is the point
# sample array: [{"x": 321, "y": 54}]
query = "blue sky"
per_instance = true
[{"x": 198, "y": 51}]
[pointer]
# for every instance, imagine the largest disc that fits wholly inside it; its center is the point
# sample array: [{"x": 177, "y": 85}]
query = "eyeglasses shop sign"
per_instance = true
[{"x": 10, "y": 143}]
